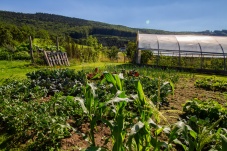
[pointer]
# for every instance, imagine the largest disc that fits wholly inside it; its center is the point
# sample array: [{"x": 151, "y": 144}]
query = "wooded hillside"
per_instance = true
[{"x": 16, "y": 27}]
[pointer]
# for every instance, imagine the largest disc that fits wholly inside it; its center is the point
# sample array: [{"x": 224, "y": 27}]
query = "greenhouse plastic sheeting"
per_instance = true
[{"x": 184, "y": 45}]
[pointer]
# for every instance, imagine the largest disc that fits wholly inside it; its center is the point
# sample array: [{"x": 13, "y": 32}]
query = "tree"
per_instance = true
[
  {"x": 93, "y": 42},
  {"x": 112, "y": 53},
  {"x": 42, "y": 34},
  {"x": 131, "y": 50},
  {"x": 5, "y": 36}
]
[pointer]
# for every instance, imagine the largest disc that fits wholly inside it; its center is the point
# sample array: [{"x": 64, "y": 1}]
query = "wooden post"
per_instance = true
[
  {"x": 138, "y": 51},
  {"x": 179, "y": 55},
  {"x": 201, "y": 59},
  {"x": 31, "y": 50},
  {"x": 138, "y": 59}
]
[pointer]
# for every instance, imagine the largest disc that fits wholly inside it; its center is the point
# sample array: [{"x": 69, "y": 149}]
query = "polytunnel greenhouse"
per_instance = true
[{"x": 188, "y": 51}]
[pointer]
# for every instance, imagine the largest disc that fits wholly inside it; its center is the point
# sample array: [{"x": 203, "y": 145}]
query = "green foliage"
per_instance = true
[
  {"x": 89, "y": 51},
  {"x": 21, "y": 55},
  {"x": 140, "y": 132},
  {"x": 212, "y": 83},
  {"x": 117, "y": 127},
  {"x": 155, "y": 89},
  {"x": 123, "y": 102},
  {"x": 5, "y": 55},
  {"x": 90, "y": 108},
  {"x": 206, "y": 109},
  {"x": 11, "y": 53},
  {"x": 197, "y": 135},
  {"x": 217, "y": 64},
  {"x": 64, "y": 80},
  {"x": 112, "y": 53},
  {"x": 146, "y": 55},
  {"x": 20, "y": 90},
  {"x": 131, "y": 50},
  {"x": 44, "y": 123}
]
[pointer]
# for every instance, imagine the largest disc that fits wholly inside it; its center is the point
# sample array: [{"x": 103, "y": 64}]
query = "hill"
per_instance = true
[{"x": 40, "y": 25}]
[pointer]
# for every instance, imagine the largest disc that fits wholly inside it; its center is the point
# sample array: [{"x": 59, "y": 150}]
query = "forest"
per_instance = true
[{"x": 16, "y": 27}]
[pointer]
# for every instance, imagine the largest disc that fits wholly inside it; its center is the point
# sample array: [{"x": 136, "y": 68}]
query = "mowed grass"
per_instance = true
[
  {"x": 15, "y": 69},
  {"x": 18, "y": 69}
]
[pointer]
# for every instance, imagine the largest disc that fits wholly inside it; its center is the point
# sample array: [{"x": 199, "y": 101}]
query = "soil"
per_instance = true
[
  {"x": 184, "y": 90},
  {"x": 80, "y": 141}
]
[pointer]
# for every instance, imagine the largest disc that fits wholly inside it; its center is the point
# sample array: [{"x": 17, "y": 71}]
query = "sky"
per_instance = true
[{"x": 169, "y": 15}]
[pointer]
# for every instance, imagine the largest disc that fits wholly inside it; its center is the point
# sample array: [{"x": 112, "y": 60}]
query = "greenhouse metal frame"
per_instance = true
[{"x": 196, "y": 46}]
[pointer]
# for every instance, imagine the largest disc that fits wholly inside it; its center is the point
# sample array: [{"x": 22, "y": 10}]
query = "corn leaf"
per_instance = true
[
  {"x": 109, "y": 77},
  {"x": 224, "y": 142},
  {"x": 140, "y": 92},
  {"x": 118, "y": 82}
]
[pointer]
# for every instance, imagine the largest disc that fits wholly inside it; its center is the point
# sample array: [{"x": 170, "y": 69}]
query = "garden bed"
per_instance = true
[{"x": 108, "y": 109}]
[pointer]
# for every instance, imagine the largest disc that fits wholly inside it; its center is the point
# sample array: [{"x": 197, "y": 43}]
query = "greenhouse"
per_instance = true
[{"x": 188, "y": 51}]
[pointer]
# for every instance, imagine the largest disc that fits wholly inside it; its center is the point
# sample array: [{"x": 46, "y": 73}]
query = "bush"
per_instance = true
[
  {"x": 146, "y": 55},
  {"x": 21, "y": 55},
  {"x": 5, "y": 55}
]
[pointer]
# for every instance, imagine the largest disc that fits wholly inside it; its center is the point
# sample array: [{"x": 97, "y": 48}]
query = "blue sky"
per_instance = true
[{"x": 171, "y": 15}]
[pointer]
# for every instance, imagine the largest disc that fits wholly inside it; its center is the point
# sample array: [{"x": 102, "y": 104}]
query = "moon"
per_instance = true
[{"x": 147, "y": 21}]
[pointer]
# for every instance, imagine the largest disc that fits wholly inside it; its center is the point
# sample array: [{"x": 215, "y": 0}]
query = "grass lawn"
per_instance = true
[
  {"x": 18, "y": 69},
  {"x": 15, "y": 69}
]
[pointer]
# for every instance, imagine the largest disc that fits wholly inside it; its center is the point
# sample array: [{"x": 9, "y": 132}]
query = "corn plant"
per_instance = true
[
  {"x": 141, "y": 137},
  {"x": 140, "y": 132},
  {"x": 90, "y": 107},
  {"x": 196, "y": 140},
  {"x": 117, "y": 127}
]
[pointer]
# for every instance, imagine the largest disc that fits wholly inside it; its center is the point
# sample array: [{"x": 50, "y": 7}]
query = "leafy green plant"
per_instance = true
[
  {"x": 21, "y": 90},
  {"x": 206, "y": 109},
  {"x": 212, "y": 83},
  {"x": 146, "y": 55},
  {"x": 198, "y": 139},
  {"x": 140, "y": 132},
  {"x": 64, "y": 80},
  {"x": 117, "y": 126},
  {"x": 44, "y": 124},
  {"x": 90, "y": 107},
  {"x": 155, "y": 89},
  {"x": 118, "y": 100}
]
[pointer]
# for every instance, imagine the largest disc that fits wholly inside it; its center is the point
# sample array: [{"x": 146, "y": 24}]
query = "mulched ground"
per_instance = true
[{"x": 184, "y": 90}]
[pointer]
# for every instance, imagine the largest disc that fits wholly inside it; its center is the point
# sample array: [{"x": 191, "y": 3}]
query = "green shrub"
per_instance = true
[
  {"x": 146, "y": 55},
  {"x": 4, "y": 55},
  {"x": 21, "y": 55}
]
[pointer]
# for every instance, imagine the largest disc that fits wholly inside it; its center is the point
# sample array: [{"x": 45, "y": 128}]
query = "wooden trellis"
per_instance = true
[{"x": 56, "y": 58}]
